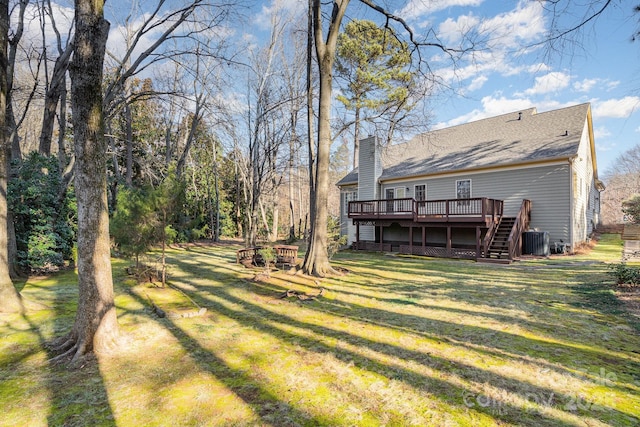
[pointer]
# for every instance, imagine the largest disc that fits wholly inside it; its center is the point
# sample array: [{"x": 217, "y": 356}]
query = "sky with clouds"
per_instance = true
[{"x": 515, "y": 70}]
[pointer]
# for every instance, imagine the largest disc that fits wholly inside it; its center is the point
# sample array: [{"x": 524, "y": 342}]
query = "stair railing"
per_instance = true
[
  {"x": 520, "y": 225},
  {"x": 489, "y": 236}
]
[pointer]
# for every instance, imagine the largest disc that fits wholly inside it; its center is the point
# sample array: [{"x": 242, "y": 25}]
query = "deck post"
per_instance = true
[
  {"x": 424, "y": 237},
  {"x": 478, "y": 234},
  {"x": 449, "y": 241},
  {"x": 358, "y": 235},
  {"x": 411, "y": 240}
]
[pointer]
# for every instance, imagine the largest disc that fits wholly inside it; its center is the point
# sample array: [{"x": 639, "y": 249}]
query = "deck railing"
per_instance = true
[
  {"x": 382, "y": 208},
  {"x": 480, "y": 208}
]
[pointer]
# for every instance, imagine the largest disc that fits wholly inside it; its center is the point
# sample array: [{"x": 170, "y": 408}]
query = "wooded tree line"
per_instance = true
[
  {"x": 147, "y": 129},
  {"x": 623, "y": 188}
]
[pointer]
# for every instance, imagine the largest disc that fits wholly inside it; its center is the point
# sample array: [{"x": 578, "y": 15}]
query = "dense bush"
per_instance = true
[
  {"x": 625, "y": 275},
  {"x": 135, "y": 223},
  {"x": 44, "y": 214},
  {"x": 143, "y": 217}
]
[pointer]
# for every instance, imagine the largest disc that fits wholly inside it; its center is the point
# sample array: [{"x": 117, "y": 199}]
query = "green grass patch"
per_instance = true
[{"x": 395, "y": 341}]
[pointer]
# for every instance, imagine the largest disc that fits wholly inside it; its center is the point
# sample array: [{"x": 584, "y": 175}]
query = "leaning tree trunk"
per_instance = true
[
  {"x": 9, "y": 297},
  {"x": 95, "y": 327}
]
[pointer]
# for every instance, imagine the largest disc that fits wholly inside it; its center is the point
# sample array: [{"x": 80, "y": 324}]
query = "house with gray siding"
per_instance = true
[{"x": 477, "y": 190}]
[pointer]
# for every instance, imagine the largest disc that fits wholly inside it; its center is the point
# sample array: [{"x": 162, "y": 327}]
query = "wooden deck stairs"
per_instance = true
[{"x": 499, "y": 247}]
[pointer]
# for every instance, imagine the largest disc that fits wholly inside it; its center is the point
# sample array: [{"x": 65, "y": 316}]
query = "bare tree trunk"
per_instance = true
[
  {"x": 316, "y": 261},
  {"x": 164, "y": 249},
  {"x": 216, "y": 186},
  {"x": 96, "y": 326},
  {"x": 52, "y": 97},
  {"x": 356, "y": 136},
  {"x": 113, "y": 190},
  {"x": 310, "y": 115},
  {"x": 292, "y": 216},
  {"x": 275, "y": 223},
  {"x": 129, "y": 136},
  {"x": 191, "y": 134},
  {"x": 238, "y": 210},
  {"x": 9, "y": 298},
  {"x": 9, "y": 62}
]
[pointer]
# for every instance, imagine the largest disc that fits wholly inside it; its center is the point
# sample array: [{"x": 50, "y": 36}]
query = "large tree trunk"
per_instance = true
[
  {"x": 316, "y": 261},
  {"x": 9, "y": 297},
  {"x": 95, "y": 327}
]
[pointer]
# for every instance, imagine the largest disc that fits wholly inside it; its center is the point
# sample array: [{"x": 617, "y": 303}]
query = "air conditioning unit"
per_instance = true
[{"x": 536, "y": 243}]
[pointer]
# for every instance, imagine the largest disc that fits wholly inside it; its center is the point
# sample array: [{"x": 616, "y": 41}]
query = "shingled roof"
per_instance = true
[{"x": 510, "y": 139}]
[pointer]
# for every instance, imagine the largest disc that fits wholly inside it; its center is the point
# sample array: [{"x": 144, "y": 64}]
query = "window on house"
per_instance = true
[
  {"x": 463, "y": 191},
  {"x": 420, "y": 192},
  {"x": 389, "y": 194},
  {"x": 349, "y": 197}
]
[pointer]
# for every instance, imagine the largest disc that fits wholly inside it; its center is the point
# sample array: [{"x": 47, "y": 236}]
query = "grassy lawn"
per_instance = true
[{"x": 396, "y": 341}]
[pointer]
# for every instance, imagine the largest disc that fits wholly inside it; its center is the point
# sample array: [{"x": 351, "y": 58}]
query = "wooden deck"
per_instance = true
[
  {"x": 477, "y": 210},
  {"x": 496, "y": 237}
]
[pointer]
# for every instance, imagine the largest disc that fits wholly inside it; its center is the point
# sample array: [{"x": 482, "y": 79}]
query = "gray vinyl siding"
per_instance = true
[
  {"x": 583, "y": 191},
  {"x": 369, "y": 170},
  {"x": 548, "y": 187}
]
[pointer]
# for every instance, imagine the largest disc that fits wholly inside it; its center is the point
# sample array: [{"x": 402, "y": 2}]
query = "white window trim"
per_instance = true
[
  {"x": 470, "y": 187},
  {"x": 415, "y": 191}
]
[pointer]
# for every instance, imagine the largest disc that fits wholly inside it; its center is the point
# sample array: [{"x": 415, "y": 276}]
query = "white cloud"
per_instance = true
[
  {"x": 117, "y": 44},
  {"x": 601, "y": 132},
  {"x": 283, "y": 8},
  {"x": 612, "y": 84},
  {"x": 491, "y": 106},
  {"x": 508, "y": 30},
  {"x": 417, "y": 9},
  {"x": 616, "y": 108},
  {"x": 551, "y": 82},
  {"x": 453, "y": 30},
  {"x": 497, "y": 105},
  {"x": 504, "y": 35},
  {"x": 477, "y": 83},
  {"x": 63, "y": 17},
  {"x": 585, "y": 85}
]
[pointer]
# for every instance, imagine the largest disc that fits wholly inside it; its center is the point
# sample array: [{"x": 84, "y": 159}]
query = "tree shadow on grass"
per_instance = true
[
  {"x": 506, "y": 344},
  {"x": 602, "y": 297},
  {"x": 257, "y": 317},
  {"x": 471, "y": 373},
  {"x": 78, "y": 395},
  {"x": 487, "y": 341},
  {"x": 269, "y": 407}
]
